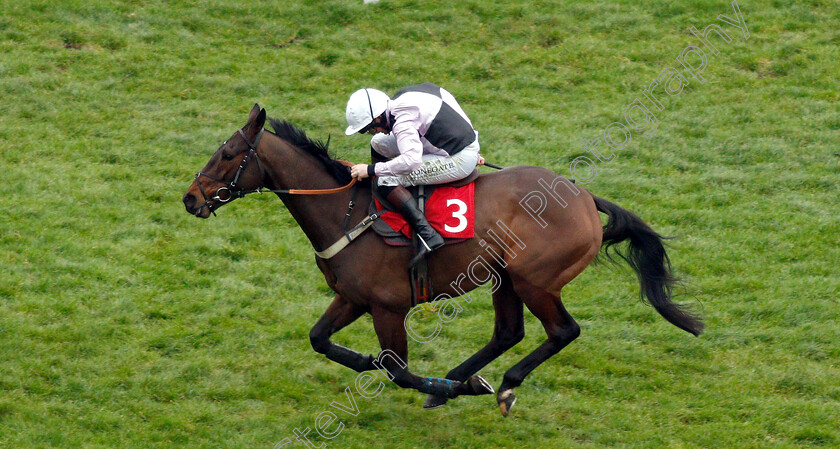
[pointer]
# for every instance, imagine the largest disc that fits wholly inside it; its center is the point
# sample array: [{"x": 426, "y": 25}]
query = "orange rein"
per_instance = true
[{"x": 325, "y": 191}]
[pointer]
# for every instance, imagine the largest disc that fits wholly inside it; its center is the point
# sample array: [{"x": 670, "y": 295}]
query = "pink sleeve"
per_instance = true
[{"x": 406, "y": 123}]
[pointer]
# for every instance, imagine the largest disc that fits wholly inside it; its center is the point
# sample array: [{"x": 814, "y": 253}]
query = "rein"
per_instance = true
[{"x": 232, "y": 192}]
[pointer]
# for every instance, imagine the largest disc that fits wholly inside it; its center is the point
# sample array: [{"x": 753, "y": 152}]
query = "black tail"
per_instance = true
[{"x": 647, "y": 256}]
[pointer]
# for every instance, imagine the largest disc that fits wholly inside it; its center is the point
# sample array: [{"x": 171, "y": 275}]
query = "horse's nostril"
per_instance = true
[{"x": 189, "y": 201}]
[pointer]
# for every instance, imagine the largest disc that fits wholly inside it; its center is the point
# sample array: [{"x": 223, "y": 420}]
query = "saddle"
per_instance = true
[
  {"x": 422, "y": 194},
  {"x": 421, "y": 282}
]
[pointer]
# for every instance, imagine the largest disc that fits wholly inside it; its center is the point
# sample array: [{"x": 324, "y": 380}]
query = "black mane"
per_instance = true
[{"x": 316, "y": 148}]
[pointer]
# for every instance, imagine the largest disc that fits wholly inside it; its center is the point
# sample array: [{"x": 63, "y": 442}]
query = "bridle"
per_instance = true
[
  {"x": 230, "y": 186},
  {"x": 233, "y": 192}
]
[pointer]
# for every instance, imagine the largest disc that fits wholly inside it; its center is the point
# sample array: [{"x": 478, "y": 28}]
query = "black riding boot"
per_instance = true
[{"x": 402, "y": 200}]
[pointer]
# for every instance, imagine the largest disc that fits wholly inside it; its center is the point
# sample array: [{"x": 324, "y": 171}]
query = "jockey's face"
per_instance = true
[{"x": 376, "y": 126}]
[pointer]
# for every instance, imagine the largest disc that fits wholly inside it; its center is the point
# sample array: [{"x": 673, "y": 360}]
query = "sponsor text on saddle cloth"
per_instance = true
[{"x": 449, "y": 210}]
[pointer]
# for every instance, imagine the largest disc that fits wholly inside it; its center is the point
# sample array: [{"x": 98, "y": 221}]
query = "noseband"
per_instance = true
[{"x": 230, "y": 186}]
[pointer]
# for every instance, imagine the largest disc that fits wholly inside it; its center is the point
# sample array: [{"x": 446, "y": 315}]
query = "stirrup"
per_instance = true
[
  {"x": 428, "y": 250},
  {"x": 425, "y": 249},
  {"x": 420, "y": 254}
]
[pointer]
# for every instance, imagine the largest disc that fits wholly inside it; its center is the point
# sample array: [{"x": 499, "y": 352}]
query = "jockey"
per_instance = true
[{"x": 421, "y": 136}]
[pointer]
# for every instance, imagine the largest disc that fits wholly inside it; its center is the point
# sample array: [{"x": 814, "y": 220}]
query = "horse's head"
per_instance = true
[{"x": 233, "y": 169}]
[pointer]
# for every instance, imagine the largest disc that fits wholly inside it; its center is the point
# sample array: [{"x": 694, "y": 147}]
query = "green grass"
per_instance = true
[{"x": 125, "y": 322}]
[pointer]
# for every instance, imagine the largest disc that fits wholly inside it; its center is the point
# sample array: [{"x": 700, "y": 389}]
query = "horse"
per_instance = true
[{"x": 543, "y": 231}]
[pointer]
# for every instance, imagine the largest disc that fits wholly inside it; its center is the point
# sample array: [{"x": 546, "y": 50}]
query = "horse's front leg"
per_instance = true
[
  {"x": 339, "y": 314},
  {"x": 390, "y": 329}
]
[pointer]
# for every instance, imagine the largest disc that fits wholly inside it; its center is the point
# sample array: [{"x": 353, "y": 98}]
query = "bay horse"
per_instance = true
[{"x": 549, "y": 237}]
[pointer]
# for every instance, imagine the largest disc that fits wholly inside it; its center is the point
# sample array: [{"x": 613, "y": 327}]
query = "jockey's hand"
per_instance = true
[
  {"x": 359, "y": 171},
  {"x": 480, "y": 160}
]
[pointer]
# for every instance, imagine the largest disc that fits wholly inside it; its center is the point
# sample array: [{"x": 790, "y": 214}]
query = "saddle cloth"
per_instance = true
[{"x": 450, "y": 210}]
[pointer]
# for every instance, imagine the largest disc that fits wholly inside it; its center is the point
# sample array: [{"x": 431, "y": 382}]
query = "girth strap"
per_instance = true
[{"x": 348, "y": 237}]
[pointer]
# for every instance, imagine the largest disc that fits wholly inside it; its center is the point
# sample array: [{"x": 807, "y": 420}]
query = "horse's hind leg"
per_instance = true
[
  {"x": 390, "y": 329},
  {"x": 558, "y": 324},
  {"x": 509, "y": 330}
]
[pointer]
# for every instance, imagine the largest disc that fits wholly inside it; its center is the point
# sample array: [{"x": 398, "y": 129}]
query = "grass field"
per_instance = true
[{"x": 127, "y": 323}]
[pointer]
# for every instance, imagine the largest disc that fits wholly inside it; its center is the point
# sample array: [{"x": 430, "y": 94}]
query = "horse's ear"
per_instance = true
[
  {"x": 254, "y": 113},
  {"x": 260, "y": 121}
]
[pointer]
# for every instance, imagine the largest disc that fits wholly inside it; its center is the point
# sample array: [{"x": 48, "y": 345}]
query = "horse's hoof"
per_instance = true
[
  {"x": 480, "y": 386},
  {"x": 434, "y": 401},
  {"x": 506, "y": 399}
]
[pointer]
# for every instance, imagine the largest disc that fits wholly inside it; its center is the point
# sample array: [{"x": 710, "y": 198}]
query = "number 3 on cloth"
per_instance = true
[{"x": 459, "y": 214}]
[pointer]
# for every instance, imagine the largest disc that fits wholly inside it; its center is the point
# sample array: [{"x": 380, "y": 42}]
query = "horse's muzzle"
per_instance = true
[
  {"x": 189, "y": 201},
  {"x": 191, "y": 204}
]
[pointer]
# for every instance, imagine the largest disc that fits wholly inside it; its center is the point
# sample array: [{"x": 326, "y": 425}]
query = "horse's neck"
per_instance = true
[{"x": 319, "y": 216}]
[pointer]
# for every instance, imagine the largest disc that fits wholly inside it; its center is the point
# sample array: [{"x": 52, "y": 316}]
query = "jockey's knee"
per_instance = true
[{"x": 385, "y": 145}]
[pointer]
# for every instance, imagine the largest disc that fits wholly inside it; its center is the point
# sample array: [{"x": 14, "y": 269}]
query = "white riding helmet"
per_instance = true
[{"x": 364, "y": 106}]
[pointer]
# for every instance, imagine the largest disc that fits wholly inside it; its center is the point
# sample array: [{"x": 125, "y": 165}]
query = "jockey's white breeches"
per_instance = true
[{"x": 435, "y": 168}]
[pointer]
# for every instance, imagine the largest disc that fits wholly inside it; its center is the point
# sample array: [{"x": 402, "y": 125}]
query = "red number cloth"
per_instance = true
[{"x": 450, "y": 211}]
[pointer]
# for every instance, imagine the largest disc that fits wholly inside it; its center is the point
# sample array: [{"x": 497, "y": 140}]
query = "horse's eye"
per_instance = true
[{"x": 227, "y": 156}]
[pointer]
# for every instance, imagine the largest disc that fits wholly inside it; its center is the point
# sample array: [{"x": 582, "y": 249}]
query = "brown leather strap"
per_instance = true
[{"x": 325, "y": 191}]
